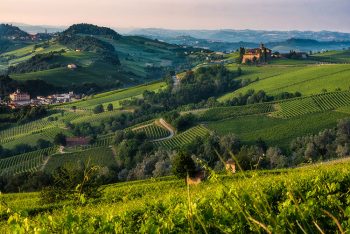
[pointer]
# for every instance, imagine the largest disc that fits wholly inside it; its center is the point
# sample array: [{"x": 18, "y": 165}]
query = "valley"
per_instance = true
[{"x": 166, "y": 138}]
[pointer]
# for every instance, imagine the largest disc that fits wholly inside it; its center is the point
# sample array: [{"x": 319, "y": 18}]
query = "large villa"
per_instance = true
[{"x": 261, "y": 55}]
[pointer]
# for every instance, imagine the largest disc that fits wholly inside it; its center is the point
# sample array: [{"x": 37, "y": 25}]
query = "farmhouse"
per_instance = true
[
  {"x": 260, "y": 55},
  {"x": 77, "y": 141},
  {"x": 19, "y": 98}
]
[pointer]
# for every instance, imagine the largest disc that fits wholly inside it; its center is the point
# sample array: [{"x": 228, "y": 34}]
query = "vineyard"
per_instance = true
[
  {"x": 153, "y": 131},
  {"x": 101, "y": 156},
  {"x": 220, "y": 113},
  {"x": 276, "y": 131},
  {"x": 316, "y": 103},
  {"x": 28, "y": 162},
  {"x": 300, "y": 200},
  {"x": 184, "y": 138},
  {"x": 115, "y": 97},
  {"x": 33, "y": 127}
]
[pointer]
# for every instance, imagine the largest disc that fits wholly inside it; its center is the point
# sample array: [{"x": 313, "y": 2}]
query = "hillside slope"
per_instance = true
[
  {"x": 102, "y": 57},
  {"x": 236, "y": 203}
]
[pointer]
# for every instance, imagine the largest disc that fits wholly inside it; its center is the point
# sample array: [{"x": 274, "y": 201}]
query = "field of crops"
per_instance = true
[
  {"x": 184, "y": 138},
  {"x": 300, "y": 200},
  {"x": 220, "y": 113},
  {"x": 276, "y": 131},
  {"x": 101, "y": 156},
  {"x": 153, "y": 131},
  {"x": 25, "y": 129},
  {"x": 308, "y": 80},
  {"x": 316, "y": 103},
  {"x": 28, "y": 162}
]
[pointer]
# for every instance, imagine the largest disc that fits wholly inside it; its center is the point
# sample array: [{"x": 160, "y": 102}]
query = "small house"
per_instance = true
[
  {"x": 77, "y": 141},
  {"x": 230, "y": 166}
]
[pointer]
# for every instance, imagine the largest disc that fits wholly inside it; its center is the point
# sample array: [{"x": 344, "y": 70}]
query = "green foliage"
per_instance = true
[
  {"x": 183, "y": 165},
  {"x": 73, "y": 183},
  {"x": 60, "y": 139},
  {"x": 110, "y": 107},
  {"x": 91, "y": 29},
  {"x": 306, "y": 199},
  {"x": 98, "y": 109}
]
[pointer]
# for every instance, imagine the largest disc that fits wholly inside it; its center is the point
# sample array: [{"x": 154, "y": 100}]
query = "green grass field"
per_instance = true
[{"x": 306, "y": 79}]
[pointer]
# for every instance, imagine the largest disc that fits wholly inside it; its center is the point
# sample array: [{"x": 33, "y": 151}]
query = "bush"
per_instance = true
[
  {"x": 71, "y": 183},
  {"x": 183, "y": 165},
  {"x": 60, "y": 139},
  {"x": 98, "y": 109}
]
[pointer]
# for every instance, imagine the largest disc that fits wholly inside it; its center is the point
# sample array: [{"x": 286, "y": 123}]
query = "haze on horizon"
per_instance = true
[{"x": 312, "y": 15}]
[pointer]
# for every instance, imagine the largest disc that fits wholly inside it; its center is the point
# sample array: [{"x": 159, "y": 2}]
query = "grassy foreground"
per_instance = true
[{"x": 303, "y": 200}]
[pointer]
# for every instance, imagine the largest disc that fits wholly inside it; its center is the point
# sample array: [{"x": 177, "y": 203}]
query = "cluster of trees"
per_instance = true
[
  {"x": 7, "y": 30},
  {"x": 251, "y": 97},
  {"x": 99, "y": 108},
  {"x": 22, "y": 115},
  {"x": 38, "y": 62},
  {"x": 91, "y": 44},
  {"x": 33, "y": 87},
  {"x": 327, "y": 144},
  {"x": 180, "y": 122},
  {"x": 196, "y": 86},
  {"x": 90, "y": 29}
]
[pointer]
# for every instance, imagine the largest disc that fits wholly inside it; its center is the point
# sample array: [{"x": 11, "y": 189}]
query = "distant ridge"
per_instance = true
[
  {"x": 91, "y": 29},
  {"x": 13, "y": 32}
]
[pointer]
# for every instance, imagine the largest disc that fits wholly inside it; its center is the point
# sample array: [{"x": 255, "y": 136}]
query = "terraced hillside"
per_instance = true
[
  {"x": 153, "y": 131},
  {"x": 28, "y": 162},
  {"x": 316, "y": 103},
  {"x": 183, "y": 138},
  {"x": 100, "y": 156}
]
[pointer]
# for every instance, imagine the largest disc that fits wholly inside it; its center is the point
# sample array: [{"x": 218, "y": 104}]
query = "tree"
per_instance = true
[
  {"x": 60, "y": 139},
  {"x": 183, "y": 165},
  {"x": 110, "y": 107},
  {"x": 73, "y": 182},
  {"x": 42, "y": 144},
  {"x": 98, "y": 109}
]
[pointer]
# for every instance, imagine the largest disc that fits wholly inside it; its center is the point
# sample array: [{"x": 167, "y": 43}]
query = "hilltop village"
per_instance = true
[{"x": 19, "y": 99}]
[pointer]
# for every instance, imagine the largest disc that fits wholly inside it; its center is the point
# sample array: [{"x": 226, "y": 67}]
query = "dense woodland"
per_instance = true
[
  {"x": 38, "y": 62},
  {"x": 90, "y": 29}
]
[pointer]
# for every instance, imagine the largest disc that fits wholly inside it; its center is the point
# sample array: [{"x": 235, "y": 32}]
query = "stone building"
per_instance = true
[{"x": 258, "y": 55}]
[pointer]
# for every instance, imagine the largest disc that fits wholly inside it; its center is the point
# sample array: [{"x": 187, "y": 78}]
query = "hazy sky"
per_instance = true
[{"x": 184, "y": 14}]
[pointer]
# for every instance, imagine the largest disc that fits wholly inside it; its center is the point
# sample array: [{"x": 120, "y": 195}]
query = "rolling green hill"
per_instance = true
[
  {"x": 308, "y": 80},
  {"x": 102, "y": 56}
]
